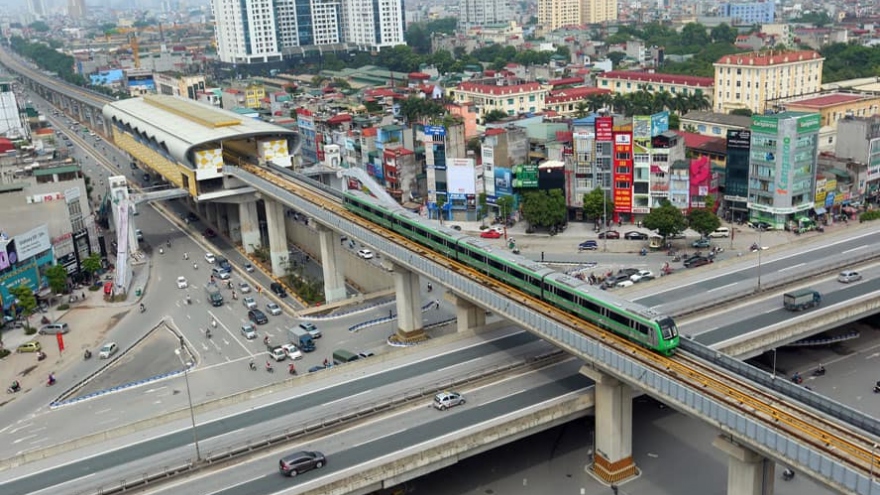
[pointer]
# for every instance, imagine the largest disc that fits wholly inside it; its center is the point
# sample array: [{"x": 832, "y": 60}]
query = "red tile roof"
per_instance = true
[
  {"x": 494, "y": 131},
  {"x": 573, "y": 94},
  {"x": 419, "y": 76},
  {"x": 826, "y": 100},
  {"x": 339, "y": 118},
  {"x": 659, "y": 78},
  {"x": 499, "y": 90},
  {"x": 566, "y": 81},
  {"x": 694, "y": 140},
  {"x": 768, "y": 58}
]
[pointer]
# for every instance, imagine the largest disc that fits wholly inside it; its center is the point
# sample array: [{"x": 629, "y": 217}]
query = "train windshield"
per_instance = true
[{"x": 668, "y": 329}]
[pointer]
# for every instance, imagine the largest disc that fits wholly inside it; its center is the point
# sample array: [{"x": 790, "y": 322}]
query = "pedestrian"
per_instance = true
[
  {"x": 83, "y": 295},
  {"x": 436, "y": 304},
  {"x": 259, "y": 290},
  {"x": 542, "y": 256},
  {"x": 390, "y": 314}
]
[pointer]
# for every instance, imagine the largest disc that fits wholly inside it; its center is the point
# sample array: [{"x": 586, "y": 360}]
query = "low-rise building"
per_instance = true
[
  {"x": 833, "y": 108},
  {"x": 565, "y": 101},
  {"x": 713, "y": 124},
  {"x": 509, "y": 96},
  {"x": 624, "y": 82}
]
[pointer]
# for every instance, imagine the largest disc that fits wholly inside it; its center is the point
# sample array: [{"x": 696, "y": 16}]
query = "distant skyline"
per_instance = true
[{"x": 19, "y": 5}]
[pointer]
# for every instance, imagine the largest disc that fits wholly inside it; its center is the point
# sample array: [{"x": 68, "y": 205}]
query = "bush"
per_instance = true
[
  {"x": 63, "y": 307},
  {"x": 869, "y": 215},
  {"x": 94, "y": 288},
  {"x": 4, "y": 353},
  {"x": 30, "y": 330}
]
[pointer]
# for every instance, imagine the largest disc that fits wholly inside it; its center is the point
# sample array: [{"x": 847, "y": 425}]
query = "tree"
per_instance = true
[
  {"x": 596, "y": 204},
  {"x": 723, "y": 33},
  {"x": 505, "y": 205},
  {"x": 544, "y": 208},
  {"x": 25, "y": 301},
  {"x": 581, "y": 109},
  {"x": 666, "y": 219},
  {"x": 703, "y": 221},
  {"x": 57, "y": 277},
  {"x": 746, "y": 112},
  {"x": 616, "y": 58},
  {"x": 39, "y": 26},
  {"x": 494, "y": 116},
  {"x": 92, "y": 264}
]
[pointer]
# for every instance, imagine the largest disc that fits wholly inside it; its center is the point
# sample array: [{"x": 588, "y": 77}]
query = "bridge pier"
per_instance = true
[
  {"x": 612, "y": 460},
  {"x": 277, "y": 236},
  {"x": 748, "y": 472},
  {"x": 249, "y": 224},
  {"x": 334, "y": 276},
  {"x": 468, "y": 315},
  {"x": 409, "y": 310}
]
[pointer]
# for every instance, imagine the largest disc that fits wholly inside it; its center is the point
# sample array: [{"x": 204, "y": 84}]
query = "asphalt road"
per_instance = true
[{"x": 206, "y": 431}]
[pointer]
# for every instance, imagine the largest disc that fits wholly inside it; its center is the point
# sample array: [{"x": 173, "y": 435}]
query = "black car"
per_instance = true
[
  {"x": 696, "y": 261},
  {"x": 257, "y": 317},
  {"x": 278, "y": 289},
  {"x": 761, "y": 226},
  {"x": 636, "y": 236},
  {"x": 209, "y": 234},
  {"x": 300, "y": 462},
  {"x": 609, "y": 234}
]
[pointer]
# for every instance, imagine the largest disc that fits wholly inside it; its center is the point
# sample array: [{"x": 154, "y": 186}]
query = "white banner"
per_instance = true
[{"x": 32, "y": 242}]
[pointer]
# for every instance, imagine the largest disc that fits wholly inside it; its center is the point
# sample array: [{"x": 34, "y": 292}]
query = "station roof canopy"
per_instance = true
[{"x": 179, "y": 124}]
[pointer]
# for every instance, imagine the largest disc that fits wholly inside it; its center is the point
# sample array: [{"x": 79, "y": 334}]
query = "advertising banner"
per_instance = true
[
  {"x": 503, "y": 182},
  {"x": 526, "y": 176},
  {"x": 659, "y": 123},
  {"x": 460, "y": 176},
  {"x": 32, "y": 242},
  {"x": 737, "y": 139},
  {"x": 623, "y": 173},
  {"x": 809, "y": 123},
  {"x": 604, "y": 129},
  {"x": 435, "y": 130},
  {"x": 764, "y": 124},
  {"x": 641, "y": 127}
]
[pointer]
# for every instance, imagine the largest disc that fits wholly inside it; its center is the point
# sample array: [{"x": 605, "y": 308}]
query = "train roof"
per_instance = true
[
  {"x": 508, "y": 256},
  {"x": 604, "y": 297}
]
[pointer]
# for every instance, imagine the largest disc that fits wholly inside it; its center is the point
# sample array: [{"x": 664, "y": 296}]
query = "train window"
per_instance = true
[
  {"x": 668, "y": 329},
  {"x": 641, "y": 327},
  {"x": 619, "y": 318},
  {"x": 590, "y": 305}
]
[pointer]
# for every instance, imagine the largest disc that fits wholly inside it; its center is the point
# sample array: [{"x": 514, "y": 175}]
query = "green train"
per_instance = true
[{"x": 635, "y": 322}]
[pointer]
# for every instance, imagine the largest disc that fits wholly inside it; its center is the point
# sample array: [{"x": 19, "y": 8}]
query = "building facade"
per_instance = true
[
  {"x": 511, "y": 98},
  {"x": 782, "y": 168},
  {"x": 744, "y": 14},
  {"x": 451, "y": 178},
  {"x": 624, "y": 82},
  {"x": 858, "y": 140},
  {"x": 598, "y": 11},
  {"x": 483, "y": 13},
  {"x": 183, "y": 86},
  {"x": 246, "y": 31},
  {"x": 554, "y": 14},
  {"x": 373, "y": 25},
  {"x": 757, "y": 81}
]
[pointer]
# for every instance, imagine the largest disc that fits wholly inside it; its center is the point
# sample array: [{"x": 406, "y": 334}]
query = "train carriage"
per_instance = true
[{"x": 520, "y": 272}]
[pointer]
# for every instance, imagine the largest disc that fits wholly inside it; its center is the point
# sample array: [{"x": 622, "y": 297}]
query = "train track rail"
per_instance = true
[{"x": 782, "y": 413}]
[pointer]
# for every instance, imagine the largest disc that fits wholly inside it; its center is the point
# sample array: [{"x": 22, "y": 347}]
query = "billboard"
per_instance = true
[
  {"x": 604, "y": 129},
  {"x": 641, "y": 127},
  {"x": 659, "y": 123},
  {"x": 460, "y": 176},
  {"x": 209, "y": 159},
  {"x": 622, "y": 173},
  {"x": 740, "y": 140},
  {"x": 809, "y": 123},
  {"x": 526, "y": 176},
  {"x": 503, "y": 181},
  {"x": 32, "y": 242},
  {"x": 765, "y": 124},
  {"x": 435, "y": 130}
]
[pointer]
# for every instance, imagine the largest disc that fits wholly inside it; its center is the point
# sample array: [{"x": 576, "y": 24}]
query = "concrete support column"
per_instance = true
[
  {"x": 232, "y": 213},
  {"x": 409, "y": 311},
  {"x": 612, "y": 460},
  {"x": 469, "y": 316},
  {"x": 223, "y": 218},
  {"x": 748, "y": 473},
  {"x": 277, "y": 236},
  {"x": 334, "y": 274},
  {"x": 250, "y": 225},
  {"x": 211, "y": 214}
]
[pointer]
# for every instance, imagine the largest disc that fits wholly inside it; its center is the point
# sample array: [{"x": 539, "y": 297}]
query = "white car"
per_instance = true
[
  {"x": 642, "y": 274},
  {"x": 249, "y": 302},
  {"x": 182, "y": 283},
  {"x": 244, "y": 287},
  {"x": 365, "y": 254},
  {"x": 292, "y": 351},
  {"x": 625, "y": 283},
  {"x": 273, "y": 309},
  {"x": 210, "y": 258},
  {"x": 248, "y": 331},
  {"x": 108, "y": 350}
]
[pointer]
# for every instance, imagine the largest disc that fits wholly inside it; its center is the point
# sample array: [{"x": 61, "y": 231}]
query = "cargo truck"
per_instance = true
[
  {"x": 214, "y": 295},
  {"x": 341, "y": 356},
  {"x": 301, "y": 339},
  {"x": 801, "y": 299},
  {"x": 277, "y": 352}
]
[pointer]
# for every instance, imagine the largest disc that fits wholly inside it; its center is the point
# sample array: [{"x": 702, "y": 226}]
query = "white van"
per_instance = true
[{"x": 720, "y": 232}]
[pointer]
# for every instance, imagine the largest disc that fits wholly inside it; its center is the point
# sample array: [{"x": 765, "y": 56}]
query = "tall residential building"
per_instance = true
[
  {"x": 36, "y": 8},
  {"x": 554, "y": 14},
  {"x": 598, "y": 11},
  {"x": 483, "y": 13},
  {"x": 782, "y": 167},
  {"x": 744, "y": 14},
  {"x": 373, "y": 24},
  {"x": 76, "y": 8},
  {"x": 758, "y": 80}
]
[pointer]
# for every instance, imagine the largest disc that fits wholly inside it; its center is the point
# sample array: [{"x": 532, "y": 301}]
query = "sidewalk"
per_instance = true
[{"x": 90, "y": 320}]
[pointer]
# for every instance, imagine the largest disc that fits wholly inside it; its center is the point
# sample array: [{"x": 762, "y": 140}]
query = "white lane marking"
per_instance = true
[
  {"x": 722, "y": 287},
  {"x": 792, "y": 267},
  {"x": 150, "y": 391},
  {"x": 347, "y": 398},
  {"x": 22, "y": 439},
  {"x": 863, "y": 246}
]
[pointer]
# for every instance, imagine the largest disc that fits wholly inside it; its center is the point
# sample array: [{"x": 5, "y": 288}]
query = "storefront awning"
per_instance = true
[{"x": 819, "y": 211}]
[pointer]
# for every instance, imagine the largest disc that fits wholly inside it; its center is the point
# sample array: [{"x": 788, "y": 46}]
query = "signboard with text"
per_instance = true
[
  {"x": 764, "y": 124},
  {"x": 622, "y": 172},
  {"x": 604, "y": 129}
]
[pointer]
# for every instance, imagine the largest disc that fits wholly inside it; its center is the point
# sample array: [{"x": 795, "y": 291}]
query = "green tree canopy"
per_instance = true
[
  {"x": 703, "y": 221},
  {"x": 666, "y": 219},
  {"x": 723, "y": 33},
  {"x": 494, "y": 116},
  {"x": 505, "y": 205},
  {"x": 544, "y": 208},
  {"x": 418, "y": 34},
  {"x": 92, "y": 264},
  {"x": 746, "y": 112},
  {"x": 595, "y": 203},
  {"x": 39, "y": 26},
  {"x": 25, "y": 300},
  {"x": 57, "y": 277}
]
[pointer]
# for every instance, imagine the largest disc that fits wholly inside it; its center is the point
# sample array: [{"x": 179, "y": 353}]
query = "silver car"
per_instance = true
[
  {"x": 249, "y": 302},
  {"x": 273, "y": 309}
]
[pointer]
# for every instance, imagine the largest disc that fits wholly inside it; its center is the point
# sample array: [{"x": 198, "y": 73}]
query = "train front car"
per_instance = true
[{"x": 633, "y": 321}]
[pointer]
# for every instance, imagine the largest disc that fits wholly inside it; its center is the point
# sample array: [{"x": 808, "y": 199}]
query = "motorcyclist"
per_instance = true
[
  {"x": 195, "y": 266},
  {"x": 87, "y": 354},
  {"x": 51, "y": 378},
  {"x": 208, "y": 333},
  {"x": 188, "y": 299},
  {"x": 266, "y": 340},
  {"x": 291, "y": 369},
  {"x": 143, "y": 308},
  {"x": 185, "y": 256},
  {"x": 252, "y": 366},
  {"x": 15, "y": 387},
  {"x": 796, "y": 378},
  {"x": 268, "y": 366}
]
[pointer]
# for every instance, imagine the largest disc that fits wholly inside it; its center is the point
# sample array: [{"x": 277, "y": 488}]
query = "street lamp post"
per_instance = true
[
  {"x": 192, "y": 414},
  {"x": 759, "y": 260}
]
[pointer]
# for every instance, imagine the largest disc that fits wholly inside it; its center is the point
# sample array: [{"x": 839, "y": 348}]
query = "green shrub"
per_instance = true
[
  {"x": 94, "y": 288},
  {"x": 30, "y": 330},
  {"x": 63, "y": 307},
  {"x": 4, "y": 353},
  {"x": 869, "y": 215}
]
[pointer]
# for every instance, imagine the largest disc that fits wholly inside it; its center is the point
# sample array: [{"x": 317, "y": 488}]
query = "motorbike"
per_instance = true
[
  {"x": 820, "y": 371},
  {"x": 45, "y": 321},
  {"x": 676, "y": 258},
  {"x": 195, "y": 266},
  {"x": 252, "y": 366},
  {"x": 87, "y": 354},
  {"x": 208, "y": 333},
  {"x": 754, "y": 248},
  {"x": 291, "y": 369},
  {"x": 189, "y": 300},
  {"x": 269, "y": 368},
  {"x": 15, "y": 387},
  {"x": 143, "y": 308},
  {"x": 796, "y": 379},
  {"x": 788, "y": 474},
  {"x": 50, "y": 381},
  {"x": 41, "y": 356},
  {"x": 643, "y": 252},
  {"x": 161, "y": 251}
]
